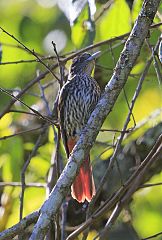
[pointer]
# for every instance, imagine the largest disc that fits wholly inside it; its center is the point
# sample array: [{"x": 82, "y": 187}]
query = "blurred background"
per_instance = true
[{"x": 73, "y": 25}]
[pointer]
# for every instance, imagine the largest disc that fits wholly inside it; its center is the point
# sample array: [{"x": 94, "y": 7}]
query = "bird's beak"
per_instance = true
[{"x": 94, "y": 56}]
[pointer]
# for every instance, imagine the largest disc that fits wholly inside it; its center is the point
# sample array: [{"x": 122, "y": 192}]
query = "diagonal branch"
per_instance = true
[
  {"x": 124, "y": 65},
  {"x": 148, "y": 161},
  {"x": 10, "y": 233}
]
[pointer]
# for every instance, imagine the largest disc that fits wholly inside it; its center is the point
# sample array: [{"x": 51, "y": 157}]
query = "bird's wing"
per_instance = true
[{"x": 61, "y": 104}]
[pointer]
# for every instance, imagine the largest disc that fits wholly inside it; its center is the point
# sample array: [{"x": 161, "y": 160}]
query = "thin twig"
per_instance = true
[
  {"x": 19, "y": 184},
  {"x": 20, "y": 133},
  {"x": 21, "y": 111},
  {"x": 19, "y": 47},
  {"x": 43, "y": 97},
  {"x": 150, "y": 185},
  {"x": 126, "y": 98},
  {"x": 112, "y": 54},
  {"x": 19, "y": 228},
  {"x": 157, "y": 69},
  {"x": 155, "y": 63},
  {"x": 30, "y": 51},
  {"x": 27, "y": 61},
  {"x": 104, "y": 8},
  {"x": 32, "y": 109},
  {"x": 49, "y": 84},
  {"x": 17, "y": 91},
  {"x": 34, "y": 150},
  {"x": 153, "y": 236},
  {"x": 111, "y": 220},
  {"x": 116, "y": 130},
  {"x": 58, "y": 61}
]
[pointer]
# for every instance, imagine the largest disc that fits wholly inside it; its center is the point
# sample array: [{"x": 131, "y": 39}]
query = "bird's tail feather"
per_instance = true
[{"x": 83, "y": 187}]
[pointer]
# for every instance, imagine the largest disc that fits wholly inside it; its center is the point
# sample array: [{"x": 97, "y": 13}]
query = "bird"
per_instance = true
[{"x": 77, "y": 100}]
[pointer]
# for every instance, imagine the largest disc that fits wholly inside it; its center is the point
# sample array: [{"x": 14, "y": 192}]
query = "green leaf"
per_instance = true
[
  {"x": 13, "y": 158},
  {"x": 39, "y": 166},
  {"x": 136, "y": 9},
  {"x": 5, "y": 160},
  {"x": 79, "y": 30},
  {"x": 146, "y": 209},
  {"x": 37, "y": 196},
  {"x": 115, "y": 22}
]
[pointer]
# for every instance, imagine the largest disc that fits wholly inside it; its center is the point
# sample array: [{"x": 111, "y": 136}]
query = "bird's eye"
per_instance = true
[
  {"x": 84, "y": 57},
  {"x": 81, "y": 59}
]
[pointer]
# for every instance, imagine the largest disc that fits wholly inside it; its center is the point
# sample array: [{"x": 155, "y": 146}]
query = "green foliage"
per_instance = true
[
  {"x": 31, "y": 22},
  {"x": 113, "y": 23},
  {"x": 78, "y": 31},
  {"x": 146, "y": 208}
]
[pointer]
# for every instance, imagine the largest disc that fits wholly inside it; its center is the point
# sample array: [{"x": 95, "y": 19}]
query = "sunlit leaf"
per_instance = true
[
  {"x": 46, "y": 150},
  {"x": 39, "y": 166},
  {"x": 115, "y": 22},
  {"x": 14, "y": 216},
  {"x": 136, "y": 8},
  {"x": 91, "y": 235},
  {"x": 13, "y": 159},
  {"x": 138, "y": 68},
  {"x": 17, "y": 155},
  {"x": 5, "y": 209},
  {"x": 141, "y": 109},
  {"x": 28, "y": 146},
  {"x": 147, "y": 206},
  {"x": 5, "y": 121},
  {"x": 51, "y": 135},
  {"x": 106, "y": 154},
  {"x": 78, "y": 31},
  {"x": 38, "y": 196},
  {"x": 6, "y": 171}
]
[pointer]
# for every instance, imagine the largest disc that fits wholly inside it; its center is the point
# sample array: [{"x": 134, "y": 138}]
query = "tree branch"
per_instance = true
[
  {"x": 124, "y": 65},
  {"x": 148, "y": 161},
  {"x": 19, "y": 227},
  {"x": 19, "y": 184}
]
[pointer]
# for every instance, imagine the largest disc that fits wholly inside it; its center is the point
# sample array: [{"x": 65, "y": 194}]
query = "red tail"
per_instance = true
[{"x": 83, "y": 187}]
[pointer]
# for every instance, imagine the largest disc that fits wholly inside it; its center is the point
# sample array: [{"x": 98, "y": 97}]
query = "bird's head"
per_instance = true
[{"x": 83, "y": 63}]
